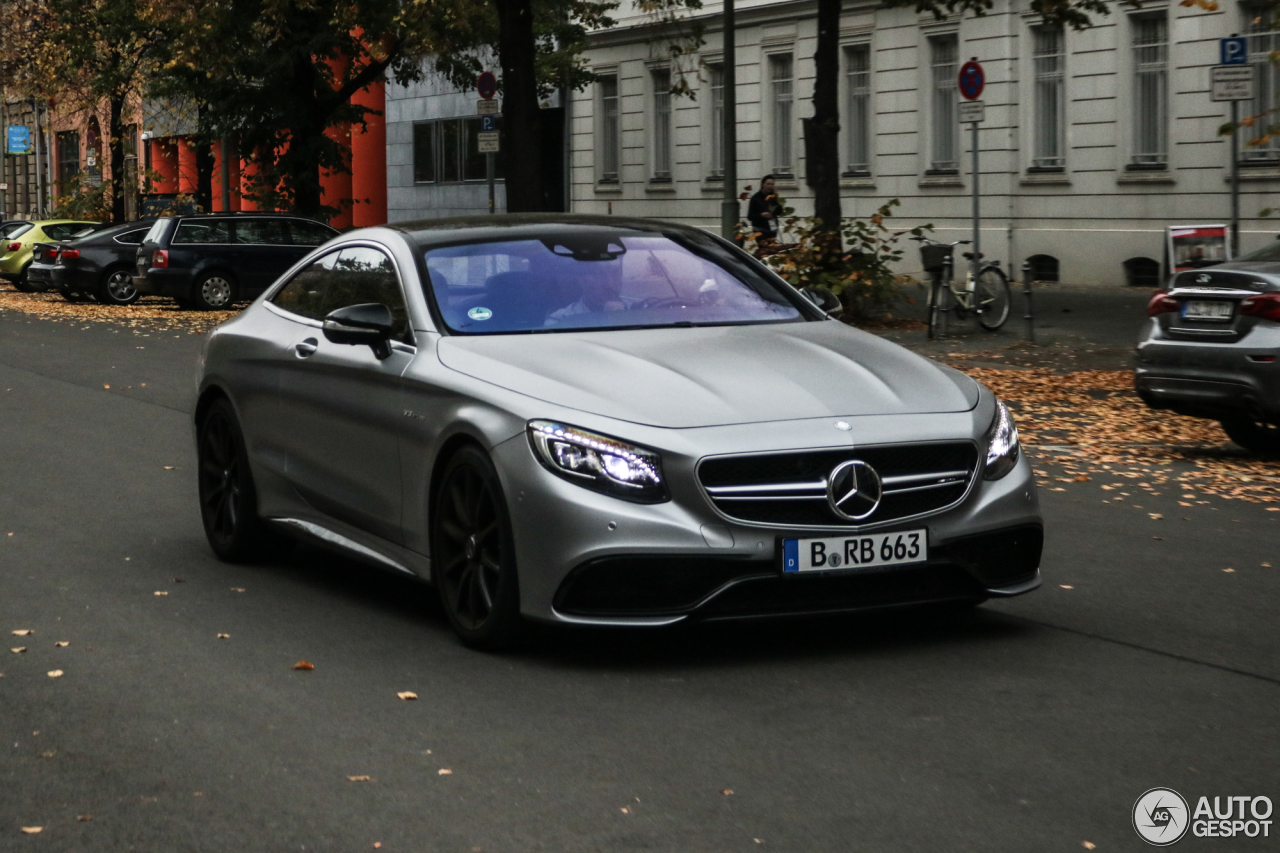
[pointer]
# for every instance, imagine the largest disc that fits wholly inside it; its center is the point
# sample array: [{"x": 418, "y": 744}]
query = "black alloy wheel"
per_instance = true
[
  {"x": 228, "y": 501},
  {"x": 1253, "y": 434},
  {"x": 117, "y": 288},
  {"x": 473, "y": 554}
]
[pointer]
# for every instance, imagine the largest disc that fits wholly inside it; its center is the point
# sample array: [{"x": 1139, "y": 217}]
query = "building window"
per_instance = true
[
  {"x": 68, "y": 161},
  {"x": 661, "y": 125},
  {"x": 1142, "y": 272},
  {"x": 1049, "y": 60},
  {"x": 608, "y": 141},
  {"x": 717, "y": 122},
  {"x": 1043, "y": 268},
  {"x": 1150, "y": 92},
  {"x": 1263, "y": 39},
  {"x": 780, "y": 91},
  {"x": 858, "y": 121},
  {"x": 448, "y": 151},
  {"x": 945, "y": 149}
]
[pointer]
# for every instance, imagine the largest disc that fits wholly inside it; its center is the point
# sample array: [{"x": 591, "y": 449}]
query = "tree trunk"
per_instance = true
[
  {"x": 116, "y": 146},
  {"x": 204, "y": 166},
  {"x": 521, "y": 138},
  {"x": 822, "y": 132}
]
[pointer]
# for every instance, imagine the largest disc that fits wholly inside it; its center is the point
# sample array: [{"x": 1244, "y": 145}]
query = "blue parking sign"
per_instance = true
[
  {"x": 488, "y": 124},
  {"x": 1234, "y": 50},
  {"x": 18, "y": 139}
]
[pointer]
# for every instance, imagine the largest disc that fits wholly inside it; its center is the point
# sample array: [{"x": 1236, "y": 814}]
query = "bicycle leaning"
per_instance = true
[{"x": 984, "y": 292}]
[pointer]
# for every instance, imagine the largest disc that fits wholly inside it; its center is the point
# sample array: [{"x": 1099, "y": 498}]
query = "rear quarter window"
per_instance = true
[
  {"x": 203, "y": 231},
  {"x": 260, "y": 232},
  {"x": 132, "y": 238},
  {"x": 306, "y": 233},
  {"x": 18, "y": 229}
]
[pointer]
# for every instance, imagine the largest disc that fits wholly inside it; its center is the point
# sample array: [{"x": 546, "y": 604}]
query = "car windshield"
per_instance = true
[
  {"x": 1270, "y": 252},
  {"x": 598, "y": 279}
]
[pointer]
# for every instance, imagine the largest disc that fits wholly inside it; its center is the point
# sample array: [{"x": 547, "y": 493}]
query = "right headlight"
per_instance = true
[
  {"x": 598, "y": 462},
  {"x": 1002, "y": 444}
]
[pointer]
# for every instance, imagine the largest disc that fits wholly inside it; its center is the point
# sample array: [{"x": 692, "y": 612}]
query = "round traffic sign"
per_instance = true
[
  {"x": 972, "y": 80},
  {"x": 487, "y": 85}
]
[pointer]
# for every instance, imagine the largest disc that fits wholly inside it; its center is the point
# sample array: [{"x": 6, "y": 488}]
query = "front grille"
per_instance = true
[{"x": 791, "y": 488}]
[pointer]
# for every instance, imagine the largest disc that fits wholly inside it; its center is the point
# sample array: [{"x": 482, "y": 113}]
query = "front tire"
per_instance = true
[
  {"x": 992, "y": 295},
  {"x": 1253, "y": 435},
  {"x": 228, "y": 500},
  {"x": 473, "y": 553},
  {"x": 214, "y": 292},
  {"x": 117, "y": 288}
]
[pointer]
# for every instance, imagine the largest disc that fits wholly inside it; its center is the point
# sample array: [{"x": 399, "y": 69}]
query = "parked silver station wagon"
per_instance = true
[
  {"x": 602, "y": 421},
  {"x": 1211, "y": 348}
]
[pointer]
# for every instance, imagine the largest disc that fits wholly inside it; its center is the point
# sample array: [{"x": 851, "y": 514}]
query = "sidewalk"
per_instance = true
[{"x": 1077, "y": 327}]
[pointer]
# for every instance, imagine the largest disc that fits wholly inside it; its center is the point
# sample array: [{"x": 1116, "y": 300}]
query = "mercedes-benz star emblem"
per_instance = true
[
  {"x": 853, "y": 490},
  {"x": 1204, "y": 278}
]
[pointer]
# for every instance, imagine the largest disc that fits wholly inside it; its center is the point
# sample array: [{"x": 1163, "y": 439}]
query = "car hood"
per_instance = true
[{"x": 714, "y": 376}]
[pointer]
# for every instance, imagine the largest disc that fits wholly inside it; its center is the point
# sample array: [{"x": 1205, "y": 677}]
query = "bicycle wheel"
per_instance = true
[
  {"x": 934, "y": 307},
  {"x": 992, "y": 297}
]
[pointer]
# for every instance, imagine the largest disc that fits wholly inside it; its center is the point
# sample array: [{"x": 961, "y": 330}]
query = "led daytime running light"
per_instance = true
[
  {"x": 1002, "y": 444},
  {"x": 599, "y": 462}
]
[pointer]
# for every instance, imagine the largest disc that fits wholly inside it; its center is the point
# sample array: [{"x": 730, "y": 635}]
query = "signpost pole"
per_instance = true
[
  {"x": 972, "y": 81},
  {"x": 1235, "y": 181},
  {"x": 488, "y": 171},
  {"x": 977, "y": 232}
]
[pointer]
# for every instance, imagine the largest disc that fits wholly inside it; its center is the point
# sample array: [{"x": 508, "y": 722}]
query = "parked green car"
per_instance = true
[{"x": 15, "y": 247}]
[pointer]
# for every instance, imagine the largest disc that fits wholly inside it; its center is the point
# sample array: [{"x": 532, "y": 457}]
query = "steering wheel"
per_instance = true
[{"x": 663, "y": 302}]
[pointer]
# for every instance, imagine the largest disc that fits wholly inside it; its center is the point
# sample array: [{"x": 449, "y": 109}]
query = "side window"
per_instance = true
[
  {"x": 260, "y": 231},
  {"x": 306, "y": 233},
  {"x": 304, "y": 295},
  {"x": 203, "y": 231},
  {"x": 364, "y": 275},
  {"x": 132, "y": 238}
]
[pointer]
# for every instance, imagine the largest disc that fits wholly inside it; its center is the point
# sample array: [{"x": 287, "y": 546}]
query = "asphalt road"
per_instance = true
[{"x": 1033, "y": 724}]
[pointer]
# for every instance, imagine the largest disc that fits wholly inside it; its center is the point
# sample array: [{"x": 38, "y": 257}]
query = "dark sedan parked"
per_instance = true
[
  {"x": 100, "y": 265},
  {"x": 211, "y": 261},
  {"x": 1212, "y": 347}
]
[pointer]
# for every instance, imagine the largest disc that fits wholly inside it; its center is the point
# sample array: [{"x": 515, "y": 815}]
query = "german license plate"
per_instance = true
[
  {"x": 1201, "y": 309},
  {"x": 851, "y": 553}
]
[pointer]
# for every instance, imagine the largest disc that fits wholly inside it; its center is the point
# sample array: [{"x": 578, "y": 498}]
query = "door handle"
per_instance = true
[{"x": 306, "y": 348}]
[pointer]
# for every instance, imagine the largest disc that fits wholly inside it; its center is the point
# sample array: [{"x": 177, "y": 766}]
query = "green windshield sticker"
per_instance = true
[{"x": 479, "y": 313}]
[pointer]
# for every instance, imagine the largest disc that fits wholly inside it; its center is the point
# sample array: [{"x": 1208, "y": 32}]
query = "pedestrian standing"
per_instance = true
[{"x": 763, "y": 209}]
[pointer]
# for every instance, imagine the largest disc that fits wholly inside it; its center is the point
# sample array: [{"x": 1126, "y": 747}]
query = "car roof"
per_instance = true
[
  {"x": 525, "y": 226},
  {"x": 244, "y": 214},
  {"x": 66, "y": 222}
]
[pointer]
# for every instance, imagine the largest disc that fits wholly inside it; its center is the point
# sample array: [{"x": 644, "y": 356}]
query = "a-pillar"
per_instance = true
[
  {"x": 164, "y": 161},
  {"x": 369, "y": 159},
  {"x": 188, "y": 173},
  {"x": 233, "y": 170}
]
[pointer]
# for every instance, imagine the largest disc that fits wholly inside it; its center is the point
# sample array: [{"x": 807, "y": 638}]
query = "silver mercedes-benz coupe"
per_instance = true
[
  {"x": 1211, "y": 346},
  {"x": 602, "y": 421}
]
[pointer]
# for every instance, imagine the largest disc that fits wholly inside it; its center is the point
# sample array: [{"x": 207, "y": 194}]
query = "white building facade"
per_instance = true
[{"x": 1093, "y": 142}]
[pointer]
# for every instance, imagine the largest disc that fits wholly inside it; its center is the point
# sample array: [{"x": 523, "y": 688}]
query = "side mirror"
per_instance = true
[
  {"x": 824, "y": 299},
  {"x": 370, "y": 323}
]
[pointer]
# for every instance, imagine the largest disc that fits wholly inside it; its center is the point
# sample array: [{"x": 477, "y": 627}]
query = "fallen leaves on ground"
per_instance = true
[
  {"x": 224, "y": 636},
  {"x": 55, "y": 673},
  {"x": 84, "y": 817},
  {"x": 17, "y": 650},
  {"x": 150, "y": 313},
  {"x": 161, "y": 592},
  {"x": 444, "y": 771},
  {"x": 23, "y": 632},
  {"x": 408, "y": 695},
  {"x": 728, "y": 792},
  {"x": 62, "y": 644},
  {"x": 360, "y": 778},
  {"x": 32, "y": 830},
  {"x": 1096, "y": 426},
  {"x": 302, "y": 664}
]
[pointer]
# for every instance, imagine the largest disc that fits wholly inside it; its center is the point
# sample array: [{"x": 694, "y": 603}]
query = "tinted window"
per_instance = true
[
  {"x": 1269, "y": 252},
  {"x": 64, "y": 230},
  {"x": 354, "y": 276},
  {"x": 15, "y": 229},
  {"x": 132, "y": 238},
  {"x": 364, "y": 275},
  {"x": 202, "y": 231},
  {"x": 304, "y": 295},
  {"x": 306, "y": 233},
  {"x": 599, "y": 279},
  {"x": 260, "y": 231}
]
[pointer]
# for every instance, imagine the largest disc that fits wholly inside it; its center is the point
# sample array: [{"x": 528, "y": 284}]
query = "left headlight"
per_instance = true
[
  {"x": 1002, "y": 444},
  {"x": 599, "y": 462}
]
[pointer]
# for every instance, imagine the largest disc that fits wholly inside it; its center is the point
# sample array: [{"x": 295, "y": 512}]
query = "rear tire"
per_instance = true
[
  {"x": 228, "y": 499},
  {"x": 215, "y": 291},
  {"x": 1253, "y": 435},
  {"x": 22, "y": 283},
  {"x": 473, "y": 553},
  {"x": 117, "y": 288}
]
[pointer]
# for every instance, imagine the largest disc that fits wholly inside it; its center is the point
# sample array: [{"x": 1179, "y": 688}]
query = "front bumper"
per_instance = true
[
  {"x": 588, "y": 558},
  {"x": 1211, "y": 380}
]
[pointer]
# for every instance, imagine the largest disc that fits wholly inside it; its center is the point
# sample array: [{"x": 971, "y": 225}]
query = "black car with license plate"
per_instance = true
[
  {"x": 211, "y": 261},
  {"x": 44, "y": 255},
  {"x": 98, "y": 265},
  {"x": 1212, "y": 348}
]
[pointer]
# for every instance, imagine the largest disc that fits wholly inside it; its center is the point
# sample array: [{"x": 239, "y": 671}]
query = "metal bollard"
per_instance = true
[
  {"x": 1026, "y": 299},
  {"x": 944, "y": 307}
]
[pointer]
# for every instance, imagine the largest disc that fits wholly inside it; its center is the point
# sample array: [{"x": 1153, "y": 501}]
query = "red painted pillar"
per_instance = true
[
  {"x": 369, "y": 159},
  {"x": 187, "y": 171},
  {"x": 248, "y": 170},
  {"x": 164, "y": 160},
  {"x": 233, "y": 171}
]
